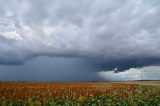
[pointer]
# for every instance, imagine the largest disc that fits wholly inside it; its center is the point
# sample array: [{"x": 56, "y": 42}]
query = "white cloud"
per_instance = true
[
  {"x": 11, "y": 35},
  {"x": 145, "y": 73}
]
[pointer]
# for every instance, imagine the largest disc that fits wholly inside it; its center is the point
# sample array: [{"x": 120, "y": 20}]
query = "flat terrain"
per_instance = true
[
  {"x": 143, "y": 82},
  {"x": 141, "y": 93}
]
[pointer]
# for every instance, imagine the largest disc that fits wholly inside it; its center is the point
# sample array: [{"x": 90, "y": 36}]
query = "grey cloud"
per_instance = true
[{"x": 111, "y": 33}]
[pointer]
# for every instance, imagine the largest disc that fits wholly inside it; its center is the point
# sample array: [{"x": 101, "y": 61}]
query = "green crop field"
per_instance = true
[{"x": 131, "y": 93}]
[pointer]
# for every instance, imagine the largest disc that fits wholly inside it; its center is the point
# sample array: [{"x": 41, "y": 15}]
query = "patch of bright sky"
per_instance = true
[{"x": 145, "y": 73}]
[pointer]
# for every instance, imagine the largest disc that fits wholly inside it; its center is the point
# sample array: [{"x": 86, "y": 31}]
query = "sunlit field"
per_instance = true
[{"x": 80, "y": 94}]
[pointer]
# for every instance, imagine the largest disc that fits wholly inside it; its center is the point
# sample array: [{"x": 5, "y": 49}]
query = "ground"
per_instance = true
[{"x": 142, "y": 93}]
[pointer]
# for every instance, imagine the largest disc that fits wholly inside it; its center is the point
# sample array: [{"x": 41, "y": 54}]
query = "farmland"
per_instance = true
[{"x": 80, "y": 94}]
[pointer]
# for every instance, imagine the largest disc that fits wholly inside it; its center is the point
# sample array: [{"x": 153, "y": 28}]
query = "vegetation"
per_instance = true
[{"x": 78, "y": 94}]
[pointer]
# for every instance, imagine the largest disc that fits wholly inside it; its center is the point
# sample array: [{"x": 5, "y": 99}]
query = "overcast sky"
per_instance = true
[{"x": 79, "y": 40}]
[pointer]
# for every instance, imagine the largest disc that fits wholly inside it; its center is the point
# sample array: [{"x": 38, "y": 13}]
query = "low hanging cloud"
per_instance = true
[{"x": 109, "y": 34}]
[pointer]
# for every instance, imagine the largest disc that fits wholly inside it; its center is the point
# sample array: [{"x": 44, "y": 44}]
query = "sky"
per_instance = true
[{"x": 79, "y": 40}]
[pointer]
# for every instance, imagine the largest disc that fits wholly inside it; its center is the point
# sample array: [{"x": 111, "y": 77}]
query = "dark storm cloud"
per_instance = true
[
  {"x": 109, "y": 34},
  {"x": 122, "y": 65}
]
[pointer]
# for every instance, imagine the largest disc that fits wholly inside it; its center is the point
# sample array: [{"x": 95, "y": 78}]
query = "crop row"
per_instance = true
[{"x": 78, "y": 94}]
